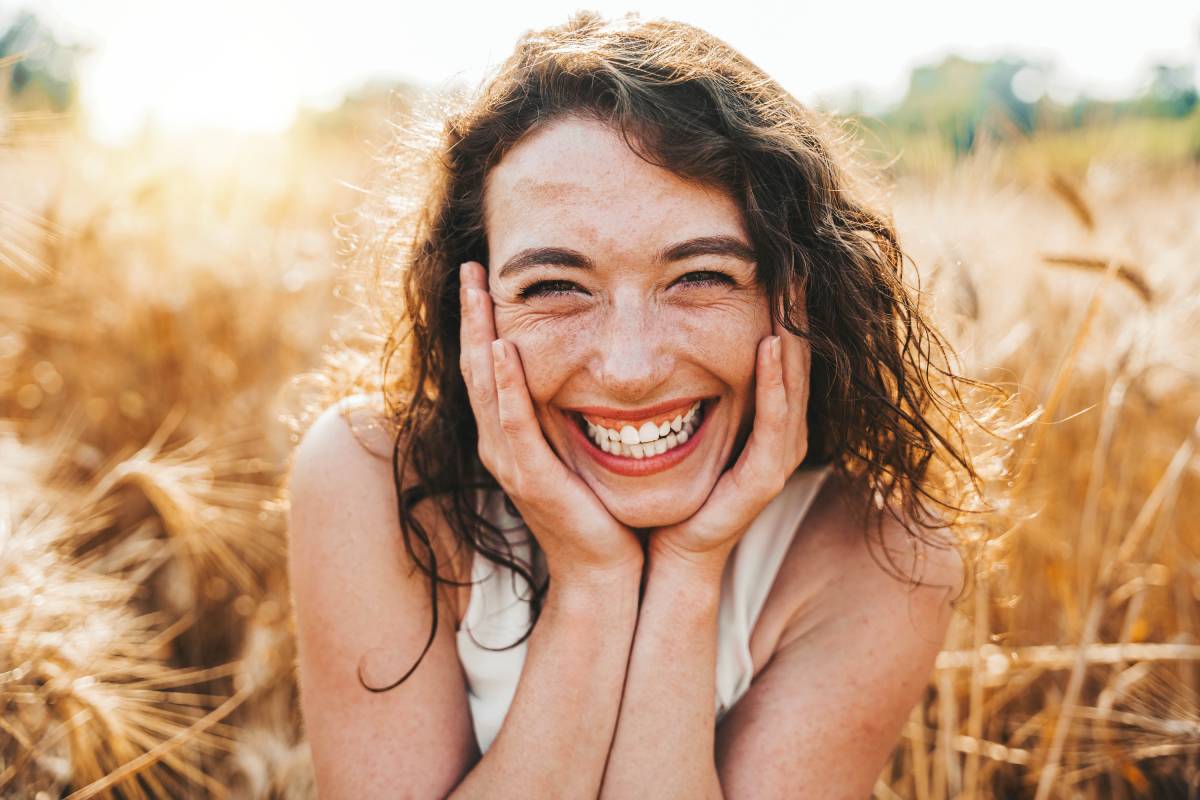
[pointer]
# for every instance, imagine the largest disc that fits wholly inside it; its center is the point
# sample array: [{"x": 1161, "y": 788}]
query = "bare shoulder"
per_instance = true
[
  {"x": 839, "y": 564},
  {"x": 836, "y": 530},
  {"x": 345, "y": 460},
  {"x": 363, "y": 618},
  {"x": 847, "y": 653},
  {"x": 347, "y": 447},
  {"x": 336, "y": 477},
  {"x": 366, "y": 417}
]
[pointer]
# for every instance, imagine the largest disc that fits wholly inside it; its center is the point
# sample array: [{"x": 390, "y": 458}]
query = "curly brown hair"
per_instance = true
[{"x": 886, "y": 410}]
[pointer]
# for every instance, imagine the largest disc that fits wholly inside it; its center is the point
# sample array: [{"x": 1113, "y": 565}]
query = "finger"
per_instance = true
[
  {"x": 479, "y": 356},
  {"x": 797, "y": 365},
  {"x": 761, "y": 469},
  {"x": 479, "y": 333},
  {"x": 464, "y": 338},
  {"x": 475, "y": 360},
  {"x": 473, "y": 274},
  {"x": 482, "y": 328},
  {"x": 478, "y": 373},
  {"x": 518, "y": 423},
  {"x": 762, "y": 460}
]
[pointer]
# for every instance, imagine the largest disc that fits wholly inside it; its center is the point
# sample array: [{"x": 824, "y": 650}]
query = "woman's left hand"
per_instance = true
[{"x": 777, "y": 444}]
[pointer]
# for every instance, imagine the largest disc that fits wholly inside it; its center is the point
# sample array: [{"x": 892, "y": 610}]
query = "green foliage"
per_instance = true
[
  {"x": 41, "y": 71},
  {"x": 957, "y": 106},
  {"x": 960, "y": 103},
  {"x": 959, "y": 99}
]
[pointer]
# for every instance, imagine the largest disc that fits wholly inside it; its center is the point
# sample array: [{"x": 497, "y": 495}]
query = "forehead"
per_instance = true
[{"x": 577, "y": 183}]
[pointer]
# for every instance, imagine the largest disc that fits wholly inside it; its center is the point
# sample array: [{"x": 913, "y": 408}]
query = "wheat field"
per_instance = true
[{"x": 173, "y": 312}]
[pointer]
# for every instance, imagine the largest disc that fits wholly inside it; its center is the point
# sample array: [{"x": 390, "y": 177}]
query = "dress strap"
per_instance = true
[{"x": 748, "y": 578}]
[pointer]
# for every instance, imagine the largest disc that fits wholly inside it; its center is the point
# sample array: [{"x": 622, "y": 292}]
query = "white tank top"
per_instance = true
[{"x": 498, "y": 611}]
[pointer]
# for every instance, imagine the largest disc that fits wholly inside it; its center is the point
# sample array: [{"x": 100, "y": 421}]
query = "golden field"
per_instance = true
[{"x": 171, "y": 313}]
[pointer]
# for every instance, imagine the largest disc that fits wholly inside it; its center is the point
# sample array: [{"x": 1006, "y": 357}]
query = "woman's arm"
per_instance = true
[
  {"x": 824, "y": 713},
  {"x": 667, "y": 724},
  {"x": 556, "y": 736},
  {"x": 357, "y": 598},
  {"x": 356, "y": 594}
]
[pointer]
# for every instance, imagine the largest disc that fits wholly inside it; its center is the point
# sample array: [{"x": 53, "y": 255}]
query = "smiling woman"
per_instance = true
[
  {"x": 665, "y": 401},
  {"x": 631, "y": 295}
]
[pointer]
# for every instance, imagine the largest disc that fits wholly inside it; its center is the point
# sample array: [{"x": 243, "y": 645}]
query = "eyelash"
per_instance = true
[{"x": 543, "y": 288}]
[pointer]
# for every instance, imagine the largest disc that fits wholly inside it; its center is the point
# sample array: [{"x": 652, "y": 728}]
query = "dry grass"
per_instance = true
[
  {"x": 1088, "y": 608},
  {"x": 155, "y": 302}
]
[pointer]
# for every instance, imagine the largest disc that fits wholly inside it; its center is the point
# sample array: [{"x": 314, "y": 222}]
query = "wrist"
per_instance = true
[
  {"x": 590, "y": 587},
  {"x": 698, "y": 572}
]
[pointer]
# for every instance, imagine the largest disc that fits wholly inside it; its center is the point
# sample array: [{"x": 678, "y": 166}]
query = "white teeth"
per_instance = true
[
  {"x": 640, "y": 449},
  {"x": 649, "y": 439}
]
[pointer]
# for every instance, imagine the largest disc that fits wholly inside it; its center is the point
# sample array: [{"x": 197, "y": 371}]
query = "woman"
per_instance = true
[{"x": 666, "y": 403}]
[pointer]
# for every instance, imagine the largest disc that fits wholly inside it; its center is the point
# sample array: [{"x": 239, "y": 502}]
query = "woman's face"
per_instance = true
[{"x": 630, "y": 294}]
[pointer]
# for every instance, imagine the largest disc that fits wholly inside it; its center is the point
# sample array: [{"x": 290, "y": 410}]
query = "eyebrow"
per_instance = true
[
  {"x": 729, "y": 246},
  {"x": 708, "y": 246},
  {"x": 545, "y": 256}
]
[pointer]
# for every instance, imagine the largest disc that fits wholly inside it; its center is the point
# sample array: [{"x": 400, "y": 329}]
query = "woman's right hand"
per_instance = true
[{"x": 581, "y": 539}]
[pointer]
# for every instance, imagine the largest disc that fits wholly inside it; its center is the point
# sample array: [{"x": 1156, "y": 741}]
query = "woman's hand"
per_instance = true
[
  {"x": 777, "y": 445},
  {"x": 580, "y": 538}
]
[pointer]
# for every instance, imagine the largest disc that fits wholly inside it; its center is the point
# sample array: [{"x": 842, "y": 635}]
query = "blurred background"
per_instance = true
[{"x": 180, "y": 184}]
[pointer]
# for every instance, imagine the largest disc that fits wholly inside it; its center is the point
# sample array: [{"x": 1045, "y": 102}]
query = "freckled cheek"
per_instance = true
[
  {"x": 727, "y": 345},
  {"x": 551, "y": 351}
]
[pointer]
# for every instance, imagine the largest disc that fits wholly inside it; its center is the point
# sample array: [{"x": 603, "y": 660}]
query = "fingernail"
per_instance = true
[
  {"x": 472, "y": 299},
  {"x": 498, "y": 352},
  {"x": 774, "y": 345}
]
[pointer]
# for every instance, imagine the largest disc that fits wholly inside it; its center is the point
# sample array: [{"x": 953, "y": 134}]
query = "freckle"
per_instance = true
[{"x": 546, "y": 189}]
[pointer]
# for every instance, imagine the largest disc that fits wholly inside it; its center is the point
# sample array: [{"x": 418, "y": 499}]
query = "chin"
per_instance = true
[
  {"x": 647, "y": 510},
  {"x": 653, "y": 491}
]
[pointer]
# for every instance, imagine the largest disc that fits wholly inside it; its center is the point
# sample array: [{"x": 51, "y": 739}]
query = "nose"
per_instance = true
[{"x": 633, "y": 355}]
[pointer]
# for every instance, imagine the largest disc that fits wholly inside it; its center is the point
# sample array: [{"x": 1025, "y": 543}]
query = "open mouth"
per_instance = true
[{"x": 655, "y": 437}]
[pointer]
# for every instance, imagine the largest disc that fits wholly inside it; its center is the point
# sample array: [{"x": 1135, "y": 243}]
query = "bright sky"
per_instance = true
[{"x": 248, "y": 64}]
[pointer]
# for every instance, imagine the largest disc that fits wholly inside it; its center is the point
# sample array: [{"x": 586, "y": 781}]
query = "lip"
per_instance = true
[
  {"x": 635, "y": 413},
  {"x": 639, "y": 467}
]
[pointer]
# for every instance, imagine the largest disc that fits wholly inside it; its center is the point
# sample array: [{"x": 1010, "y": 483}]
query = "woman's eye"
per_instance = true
[
  {"x": 705, "y": 278},
  {"x": 561, "y": 288},
  {"x": 547, "y": 289}
]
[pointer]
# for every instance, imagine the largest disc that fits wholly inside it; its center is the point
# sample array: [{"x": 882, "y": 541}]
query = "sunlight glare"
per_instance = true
[{"x": 230, "y": 71}]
